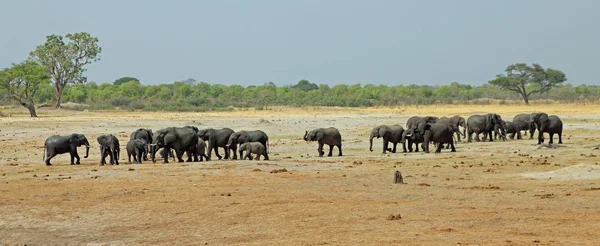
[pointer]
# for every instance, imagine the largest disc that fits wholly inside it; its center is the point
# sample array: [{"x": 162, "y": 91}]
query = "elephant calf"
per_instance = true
[
  {"x": 137, "y": 149},
  {"x": 330, "y": 136},
  {"x": 252, "y": 148}
]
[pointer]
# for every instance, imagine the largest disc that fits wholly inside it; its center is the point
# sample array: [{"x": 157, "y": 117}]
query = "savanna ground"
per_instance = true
[{"x": 500, "y": 193}]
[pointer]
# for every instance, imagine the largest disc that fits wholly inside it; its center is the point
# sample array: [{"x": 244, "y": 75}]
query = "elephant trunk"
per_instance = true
[
  {"x": 371, "y": 142},
  {"x": 152, "y": 148},
  {"x": 87, "y": 151}
]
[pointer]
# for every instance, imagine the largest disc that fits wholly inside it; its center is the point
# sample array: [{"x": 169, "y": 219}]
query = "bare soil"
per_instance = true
[{"x": 499, "y": 193}]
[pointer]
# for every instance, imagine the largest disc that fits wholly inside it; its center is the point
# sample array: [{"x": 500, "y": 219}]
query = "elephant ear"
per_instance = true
[
  {"x": 319, "y": 135},
  {"x": 382, "y": 131},
  {"x": 170, "y": 137},
  {"x": 490, "y": 119},
  {"x": 426, "y": 127}
]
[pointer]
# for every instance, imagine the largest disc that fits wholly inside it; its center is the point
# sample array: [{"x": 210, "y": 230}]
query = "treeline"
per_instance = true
[{"x": 190, "y": 95}]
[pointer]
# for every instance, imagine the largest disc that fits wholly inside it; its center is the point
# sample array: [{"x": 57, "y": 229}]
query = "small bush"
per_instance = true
[{"x": 120, "y": 102}]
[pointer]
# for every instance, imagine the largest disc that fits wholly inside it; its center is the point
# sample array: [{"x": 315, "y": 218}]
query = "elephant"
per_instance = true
[
  {"x": 218, "y": 138},
  {"x": 513, "y": 128},
  {"x": 136, "y": 148},
  {"x": 248, "y": 136},
  {"x": 146, "y": 135},
  {"x": 439, "y": 133},
  {"x": 457, "y": 121},
  {"x": 181, "y": 139},
  {"x": 200, "y": 150},
  {"x": 549, "y": 124},
  {"x": 389, "y": 133},
  {"x": 330, "y": 136},
  {"x": 485, "y": 124},
  {"x": 526, "y": 119},
  {"x": 410, "y": 137},
  {"x": 252, "y": 148},
  {"x": 499, "y": 130},
  {"x": 56, "y": 144},
  {"x": 412, "y": 121},
  {"x": 109, "y": 145}
]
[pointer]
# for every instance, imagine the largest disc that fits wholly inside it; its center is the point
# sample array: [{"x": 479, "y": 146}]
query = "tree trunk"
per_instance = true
[
  {"x": 31, "y": 109},
  {"x": 57, "y": 94},
  {"x": 526, "y": 99}
]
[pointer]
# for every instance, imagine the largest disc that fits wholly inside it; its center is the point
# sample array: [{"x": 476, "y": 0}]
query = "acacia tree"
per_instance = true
[
  {"x": 65, "y": 61},
  {"x": 22, "y": 81},
  {"x": 527, "y": 80}
]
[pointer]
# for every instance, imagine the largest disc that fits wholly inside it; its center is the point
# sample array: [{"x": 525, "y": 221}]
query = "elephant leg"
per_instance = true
[
  {"x": 404, "y": 146},
  {"x": 179, "y": 154},
  {"x": 439, "y": 148},
  {"x": 560, "y": 137},
  {"x": 166, "y": 153},
  {"x": 394, "y": 148},
  {"x": 76, "y": 155},
  {"x": 49, "y": 155},
  {"x": 249, "y": 155},
  {"x": 258, "y": 157},
  {"x": 217, "y": 153},
  {"x": 551, "y": 138},
  {"x": 417, "y": 146},
  {"x": 330, "y": 150},
  {"x": 469, "y": 136},
  {"x": 452, "y": 146},
  {"x": 320, "y": 149},
  {"x": 339, "y": 149},
  {"x": 385, "y": 146}
]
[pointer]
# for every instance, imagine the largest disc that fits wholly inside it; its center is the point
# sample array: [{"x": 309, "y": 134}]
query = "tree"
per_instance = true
[
  {"x": 527, "y": 80},
  {"x": 22, "y": 82},
  {"x": 65, "y": 61},
  {"x": 305, "y": 85},
  {"x": 124, "y": 80}
]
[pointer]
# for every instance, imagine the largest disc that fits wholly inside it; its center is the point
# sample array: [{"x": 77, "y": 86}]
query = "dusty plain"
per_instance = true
[{"x": 486, "y": 193}]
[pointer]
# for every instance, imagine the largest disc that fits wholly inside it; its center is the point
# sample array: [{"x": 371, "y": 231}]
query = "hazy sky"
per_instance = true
[{"x": 251, "y": 42}]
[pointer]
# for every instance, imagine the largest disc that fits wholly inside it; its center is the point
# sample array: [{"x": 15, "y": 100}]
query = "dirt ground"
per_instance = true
[{"x": 499, "y": 193}]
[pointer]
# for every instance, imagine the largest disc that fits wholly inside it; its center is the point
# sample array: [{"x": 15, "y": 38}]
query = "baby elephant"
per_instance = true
[
  {"x": 137, "y": 149},
  {"x": 252, "y": 148}
]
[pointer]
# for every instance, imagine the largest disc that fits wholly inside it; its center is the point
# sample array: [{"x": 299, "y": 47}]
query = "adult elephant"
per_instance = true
[
  {"x": 180, "y": 139},
  {"x": 526, "y": 120},
  {"x": 485, "y": 124},
  {"x": 389, "y": 133},
  {"x": 217, "y": 138},
  {"x": 145, "y": 134},
  {"x": 55, "y": 145},
  {"x": 548, "y": 124},
  {"x": 412, "y": 121},
  {"x": 109, "y": 145},
  {"x": 457, "y": 121},
  {"x": 438, "y": 133},
  {"x": 330, "y": 136},
  {"x": 238, "y": 138}
]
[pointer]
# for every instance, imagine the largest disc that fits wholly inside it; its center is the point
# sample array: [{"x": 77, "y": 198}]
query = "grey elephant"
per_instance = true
[
  {"x": 389, "y": 134},
  {"x": 200, "y": 150},
  {"x": 438, "y": 133},
  {"x": 137, "y": 149},
  {"x": 180, "y": 139},
  {"x": 457, "y": 121},
  {"x": 515, "y": 128},
  {"x": 500, "y": 131},
  {"x": 526, "y": 120},
  {"x": 252, "y": 148},
  {"x": 109, "y": 146},
  {"x": 249, "y": 136},
  {"x": 56, "y": 145},
  {"x": 145, "y": 134},
  {"x": 548, "y": 124},
  {"x": 409, "y": 137},
  {"x": 412, "y": 121},
  {"x": 330, "y": 136},
  {"x": 485, "y": 124},
  {"x": 217, "y": 138}
]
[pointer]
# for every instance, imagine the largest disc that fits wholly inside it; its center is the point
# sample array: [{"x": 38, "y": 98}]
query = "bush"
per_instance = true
[{"x": 120, "y": 102}]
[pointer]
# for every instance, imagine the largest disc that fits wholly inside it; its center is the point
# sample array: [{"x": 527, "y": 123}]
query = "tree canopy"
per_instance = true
[
  {"x": 527, "y": 80},
  {"x": 22, "y": 81},
  {"x": 124, "y": 80},
  {"x": 66, "y": 61}
]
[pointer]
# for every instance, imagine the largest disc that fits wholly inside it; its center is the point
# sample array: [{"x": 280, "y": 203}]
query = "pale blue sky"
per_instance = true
[{"x": 251, "y": 42}]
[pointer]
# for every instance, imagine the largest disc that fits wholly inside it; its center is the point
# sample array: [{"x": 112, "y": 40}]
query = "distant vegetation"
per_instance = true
[{"x": 64, "y": 62}]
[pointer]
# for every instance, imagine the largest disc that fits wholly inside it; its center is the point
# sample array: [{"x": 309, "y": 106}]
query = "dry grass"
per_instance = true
[{"x": 477, "y": 195}]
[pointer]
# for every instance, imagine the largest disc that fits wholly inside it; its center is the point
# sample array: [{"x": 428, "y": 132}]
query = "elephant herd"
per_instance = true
[
  {"x": 170, "y": 142},
  {"x": 198, "y": 145},
  {"x": 442, "y": 130}
]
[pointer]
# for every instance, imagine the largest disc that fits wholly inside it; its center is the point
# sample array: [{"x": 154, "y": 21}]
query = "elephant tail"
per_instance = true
[{"x": 44, "y": 156}]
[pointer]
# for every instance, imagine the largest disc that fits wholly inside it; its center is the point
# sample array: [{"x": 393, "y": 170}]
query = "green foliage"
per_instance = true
[
  {"x": 124, "y": 80},
  {"x": 65, "y": 61},
  {"x": 22, "y": 81},
  {"x": 305, "y": 85},
  {"x": 527, "y": 80}
]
